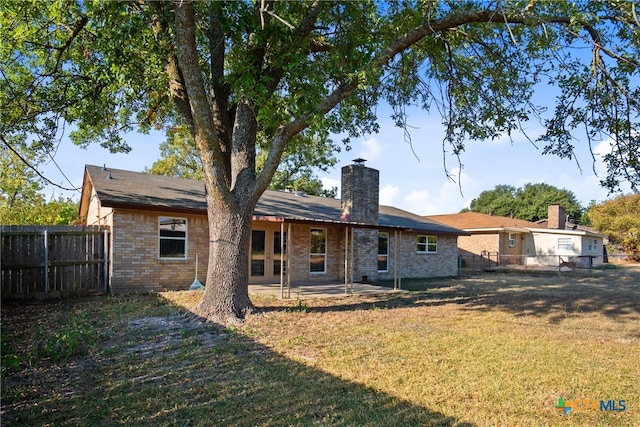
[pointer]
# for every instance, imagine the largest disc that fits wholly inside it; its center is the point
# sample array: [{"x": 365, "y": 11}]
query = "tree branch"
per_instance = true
[
  {"x": 303, "y": 30},
  {"x": 222, "y": 116},
  {"x": 80, "y": 24},
  {"x": 26, "y": 162},
  {"x": 206, "y": 139},
  {"x": 285, "y": 132}
]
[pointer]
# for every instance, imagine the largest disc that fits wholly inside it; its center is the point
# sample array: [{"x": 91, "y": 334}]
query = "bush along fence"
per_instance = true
[{"x": 52, "y": 261}]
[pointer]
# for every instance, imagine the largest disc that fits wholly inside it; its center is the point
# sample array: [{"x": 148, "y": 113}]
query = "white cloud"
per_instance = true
[
  {"x": 449, "y": 198},
  {"x": 599, "y": 151},
  {"x": 387, "y": 194},
  {"x": 371, "y": 149},
  {"x": 329, "y": 183},
  {"x": 416, "y": 201}
]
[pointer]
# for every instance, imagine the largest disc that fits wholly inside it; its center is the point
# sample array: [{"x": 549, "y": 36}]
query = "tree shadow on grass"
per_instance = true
[
  {"x": 613, "y": 293},
  {"x": 175, "y": 369}
]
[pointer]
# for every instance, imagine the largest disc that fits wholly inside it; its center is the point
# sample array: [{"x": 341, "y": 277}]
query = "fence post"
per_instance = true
[
  {"x": 46, "y": 261},
  {"x": 105, "y": 260}
]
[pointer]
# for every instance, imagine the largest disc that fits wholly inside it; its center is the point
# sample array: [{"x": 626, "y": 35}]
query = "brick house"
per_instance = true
[
  {"x": 159, "y": 233},
  {"x": 519, "y": 242}
]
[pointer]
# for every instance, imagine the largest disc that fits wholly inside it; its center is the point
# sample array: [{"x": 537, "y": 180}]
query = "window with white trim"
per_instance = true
[
  {"x": 172, "y": 238},
  {"x": 383, "y": 252},
  {"x": 427, "y": 244},
  {"x": 565, "y": 244},
  {"x": 512, "y": 240},
  {"x": 318, "y": 251},
  {"x": 593, "y": 245}
]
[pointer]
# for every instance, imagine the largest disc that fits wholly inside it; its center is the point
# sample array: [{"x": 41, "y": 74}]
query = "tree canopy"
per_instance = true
[
  {"x": 22, "y": 201},
  {"x": 530, "y": 202},
  {"x": 619, "y": 218},
  {"x": 296, "y": 171},
  {"x": 257, "y": 78},
  {"x": 107, "y": 68}
]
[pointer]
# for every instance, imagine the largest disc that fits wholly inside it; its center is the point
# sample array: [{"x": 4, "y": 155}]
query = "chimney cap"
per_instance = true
[{"x": 359, "y": 161}]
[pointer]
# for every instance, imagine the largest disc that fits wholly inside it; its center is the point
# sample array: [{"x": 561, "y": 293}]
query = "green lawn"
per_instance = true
[{"x": 494, "y": 350}]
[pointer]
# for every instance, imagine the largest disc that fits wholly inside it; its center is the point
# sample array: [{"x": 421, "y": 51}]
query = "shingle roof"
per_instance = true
[
  {"x": 121, "y": 188},
  {"x": 476, "y": 220},
  {"x": 118, "y": 188}
]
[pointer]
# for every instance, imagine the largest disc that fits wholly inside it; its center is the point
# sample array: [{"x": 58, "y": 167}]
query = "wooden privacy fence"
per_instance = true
[{"x": 54, "y": 260}]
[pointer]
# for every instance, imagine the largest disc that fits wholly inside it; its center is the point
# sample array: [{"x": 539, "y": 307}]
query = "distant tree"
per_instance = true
[
  {"x": 584, "y": 218},
  {"x": 179, "y": 156},
  {"x": 530, "y": 203},
  {"x": 22, "y": 201},
  {"x": 296, "y": 171},
  {"x": 619, "y": 218},
  {"x": 533, "y": 201},
  {"x": 499, "y": 201}
]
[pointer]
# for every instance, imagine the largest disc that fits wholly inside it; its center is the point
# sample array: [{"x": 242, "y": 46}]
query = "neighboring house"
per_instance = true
[
  {"x": 159, "y": 232},
  {"x": 519, "y": 242}
]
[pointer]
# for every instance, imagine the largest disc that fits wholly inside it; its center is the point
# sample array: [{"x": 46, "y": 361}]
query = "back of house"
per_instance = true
[{"x": 160, "y": 240}]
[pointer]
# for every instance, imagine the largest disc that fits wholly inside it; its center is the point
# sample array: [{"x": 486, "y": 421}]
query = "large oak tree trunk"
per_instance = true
[{"x": 226, "y": 295}]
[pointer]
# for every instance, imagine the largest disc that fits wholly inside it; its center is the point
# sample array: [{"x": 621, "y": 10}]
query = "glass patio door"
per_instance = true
[
  {"x": 258, "y": 253},
  {"x": 267, "y": 255}
]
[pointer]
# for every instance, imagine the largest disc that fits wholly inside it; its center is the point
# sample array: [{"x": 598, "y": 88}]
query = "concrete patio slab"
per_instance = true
[{"x": 318, "y": 290}]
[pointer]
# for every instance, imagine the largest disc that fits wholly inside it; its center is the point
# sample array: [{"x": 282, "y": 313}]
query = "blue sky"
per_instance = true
[
  {"x": 418, "y": 183},
  {"x": 414, "y": 182}
]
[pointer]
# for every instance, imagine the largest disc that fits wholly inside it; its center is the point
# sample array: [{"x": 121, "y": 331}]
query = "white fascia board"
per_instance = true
[{"x": 499, "y": 229}]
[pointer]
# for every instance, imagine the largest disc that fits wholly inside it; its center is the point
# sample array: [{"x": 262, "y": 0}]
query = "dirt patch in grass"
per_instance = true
[{"x": 161, "y": 334}]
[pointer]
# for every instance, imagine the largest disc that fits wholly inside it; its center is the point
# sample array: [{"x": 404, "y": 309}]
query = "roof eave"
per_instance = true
[
  {"x": 559, "y": 231},
  {"x": 498, "y": 229},
  {"x": 143, "y": 207}
]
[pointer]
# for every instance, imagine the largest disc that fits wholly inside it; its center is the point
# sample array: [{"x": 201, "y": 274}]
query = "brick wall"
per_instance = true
[
  {"x": 359, "y": 194},
  {"x": 477, "y": 243},
  {"x": 494, "y": 242},
  {"x": 365, "y": 254},
  {"x": 557, "y": 217},
  {"x": 444, "y": 263},
  {"x": 360, "y": 188},
  {"x": 299, "y": 255},
  {"x": 136, "y": 268},
  {"x": 412, "y": 264},
  {"x": 135, "y": 264},
  {"x": 511, "y": 254}
]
